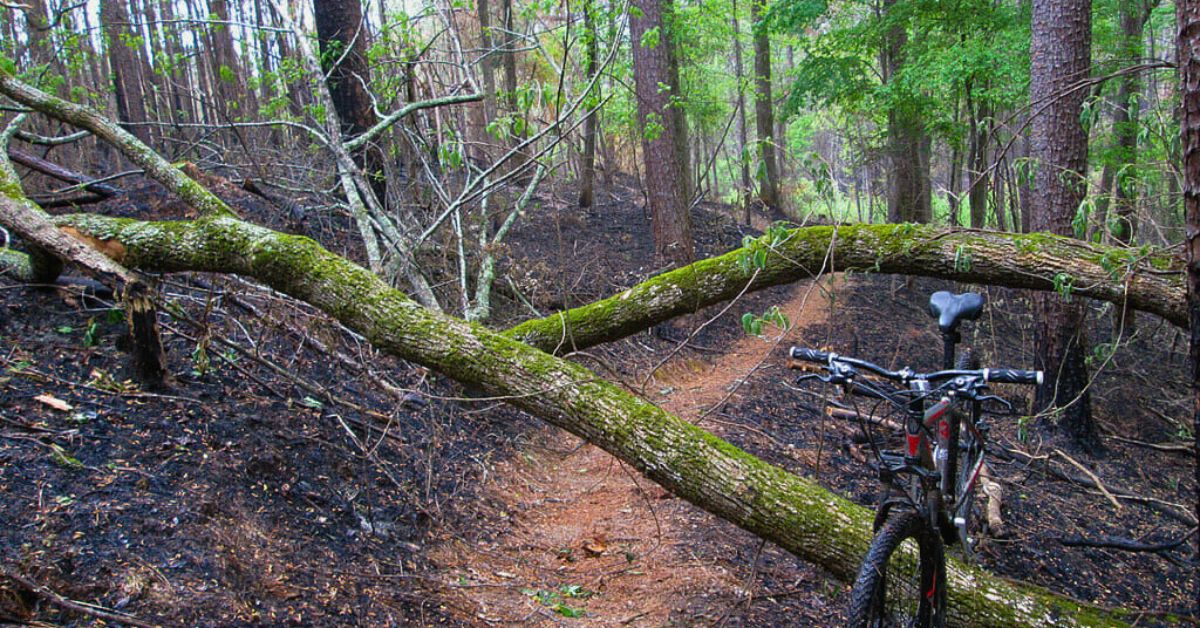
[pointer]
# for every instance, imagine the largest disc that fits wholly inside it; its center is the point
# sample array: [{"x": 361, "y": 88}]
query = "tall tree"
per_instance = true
[
  {"x": 1060, "y": 52},
  {"x": 124, "y": 62},
  {"x": 661, "y": 144},
  {"x": 1132, "y": 15},
  {"x": 676, "y": 113},
  {"x": 1187, "y": 14},
  {"x": 764, "y": 115},
  {"x": 343, "y": 37},
  {"x": 909, "y": 146},
  {"x": 739, "y": 74},
  {"x": 587, "y": 174}
]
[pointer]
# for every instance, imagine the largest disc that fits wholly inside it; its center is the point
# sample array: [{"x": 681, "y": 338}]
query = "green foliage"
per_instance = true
[
  {"x": 1080, "y": 222},
  {"x": 201, "y": 364},
  {"x": 91, "y": 335},
  {"x": 962, "y": 259},
  {"x": 553, "y": 600},
  {"x": 1064, "y": 284},
  {"x": 1101, "y": 353},
  {"x": 753, "y": 324},
  {"x": 62, "y": 458},
  {"x": 650, "y": 38}
]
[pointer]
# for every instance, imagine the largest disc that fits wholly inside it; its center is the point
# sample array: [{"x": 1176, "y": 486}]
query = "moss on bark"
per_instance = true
[
  {"x": 1142, "y": 280},
  {"x": 794, "y": 512}
]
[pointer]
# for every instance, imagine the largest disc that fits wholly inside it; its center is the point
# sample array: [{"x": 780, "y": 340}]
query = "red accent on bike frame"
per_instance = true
[
  {"x": 944, "y": 430},
  {"x": 932, "y": 587},
  {"x": 914, "y": 443}
]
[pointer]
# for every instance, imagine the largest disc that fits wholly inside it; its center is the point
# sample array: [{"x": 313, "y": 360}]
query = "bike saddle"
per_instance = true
[{"x": 950, "y": 309}]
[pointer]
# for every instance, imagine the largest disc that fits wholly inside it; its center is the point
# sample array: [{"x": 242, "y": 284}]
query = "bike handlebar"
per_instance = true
[{"x": 1006, "y": 376}]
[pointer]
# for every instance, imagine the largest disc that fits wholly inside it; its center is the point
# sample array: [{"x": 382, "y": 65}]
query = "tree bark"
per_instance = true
[
  {"x": 123, "y": 63},
  {"x": 764, "y": 115},
  {"x": 1061, "y": 58},
  {"x": 910, "y": 198},
  {"x": 794, "y": 512},
  {"x": 676, "y": 113},
  {"x": 980, "y": 136},
  {"x": 1187, "y": 14},
  {"x": 663, "y": 181},
  {"x": 587, "y": 174},
  {"x": 343, "y": 38},
  {"x": 739, "y": 76},
  {"x": 1036, "y": 260}
]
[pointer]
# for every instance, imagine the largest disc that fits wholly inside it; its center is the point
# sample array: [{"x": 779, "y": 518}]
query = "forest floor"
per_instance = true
[{"x": 292, "y": 474}]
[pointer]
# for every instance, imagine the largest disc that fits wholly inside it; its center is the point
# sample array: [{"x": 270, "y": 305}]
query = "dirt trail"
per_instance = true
[{"x": 586, "y": 533}]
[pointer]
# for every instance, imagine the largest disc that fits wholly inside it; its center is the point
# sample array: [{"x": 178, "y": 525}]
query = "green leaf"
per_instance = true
[
  {"x": 567, "y": 611},
  {"x": 64, "y": 459},
  {"x": 650, "y": 38},
  {"x": 760, "y": 258},
  {"x": 748, "y": 322}
]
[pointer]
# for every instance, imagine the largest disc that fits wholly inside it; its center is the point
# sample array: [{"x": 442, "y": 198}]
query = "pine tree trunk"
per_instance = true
[
  {"x": 739, "y": 74},
  {"x": 910, "y": 198},
  {"x": 764, "y": 115},
  {"x": 1188, "y": 60},
  {"x": 123, "y": 63},
  {"x": 587, "y": 170},
  {"x": 343, "y": 37},
  {"x": 675, "y": 112},
  {"x": 663, "y": 180},
  {"x": 1060, "y": 50}
]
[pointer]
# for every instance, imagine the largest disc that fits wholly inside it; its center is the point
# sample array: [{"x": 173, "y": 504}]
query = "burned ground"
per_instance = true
[{"x": 294, "y": 474}]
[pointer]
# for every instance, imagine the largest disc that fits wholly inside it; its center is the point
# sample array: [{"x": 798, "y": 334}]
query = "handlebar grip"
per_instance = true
[
  {"x": 810, "y": 355},
  {"x": 1013, "y": 376}
]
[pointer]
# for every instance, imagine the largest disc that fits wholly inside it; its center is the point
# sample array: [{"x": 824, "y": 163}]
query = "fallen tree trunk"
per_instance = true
[
  {"x": 155, "y": 166},
  {"x": 51, "y": 169},
  {"x": 796, "y": 513},
  {"x": 52, "y": 246},
  {"x": 1140, "y": 280}
]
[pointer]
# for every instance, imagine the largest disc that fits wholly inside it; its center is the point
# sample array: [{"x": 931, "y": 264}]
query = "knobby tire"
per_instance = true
[{"x": 893, "y": 589}]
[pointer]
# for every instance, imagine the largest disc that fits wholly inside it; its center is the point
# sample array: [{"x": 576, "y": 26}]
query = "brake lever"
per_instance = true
[
  {"x": 1006, "y": 403},
  {"x": 828, "y": 379}
]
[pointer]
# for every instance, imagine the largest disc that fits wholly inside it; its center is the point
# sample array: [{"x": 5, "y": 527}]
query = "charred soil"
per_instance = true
[{"x": 293, "y": 474}]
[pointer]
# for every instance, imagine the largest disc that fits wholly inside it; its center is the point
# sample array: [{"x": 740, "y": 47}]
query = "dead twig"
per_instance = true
[
  {"x": 1176, "y": 511},
  {"x": 82, "y": 608},
  {"x": 1099, "y": 485},
  {"x": 1175, "y": 448},
  {"x": 1124, "y": 544}
]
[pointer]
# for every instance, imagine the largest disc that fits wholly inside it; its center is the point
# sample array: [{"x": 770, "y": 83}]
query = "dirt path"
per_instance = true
[{"x": 586, "y": 534}]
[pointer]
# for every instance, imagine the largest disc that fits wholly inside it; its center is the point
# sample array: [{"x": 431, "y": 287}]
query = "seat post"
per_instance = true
[{"x": 950, "y": 338}]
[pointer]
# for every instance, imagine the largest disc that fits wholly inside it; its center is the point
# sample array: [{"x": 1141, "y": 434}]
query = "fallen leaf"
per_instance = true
[
  {"x": 596, "y": 546},
  {"x": 54, "y": 402}
]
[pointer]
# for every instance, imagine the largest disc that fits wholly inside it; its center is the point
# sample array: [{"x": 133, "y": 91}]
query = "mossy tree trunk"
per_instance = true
[
  {"x": 51, "y": 247},
  {"x": 794, "y": 512},
  {"x": 1151, "y": 283},
  {"x": 799, "y": 515}
]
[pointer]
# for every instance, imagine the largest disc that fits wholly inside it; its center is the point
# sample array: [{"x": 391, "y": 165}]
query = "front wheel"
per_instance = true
[{"x": 902, "y": 581}]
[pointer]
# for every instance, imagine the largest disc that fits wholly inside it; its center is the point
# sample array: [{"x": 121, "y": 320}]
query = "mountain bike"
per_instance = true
[{"x": 928, "y": 486}]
